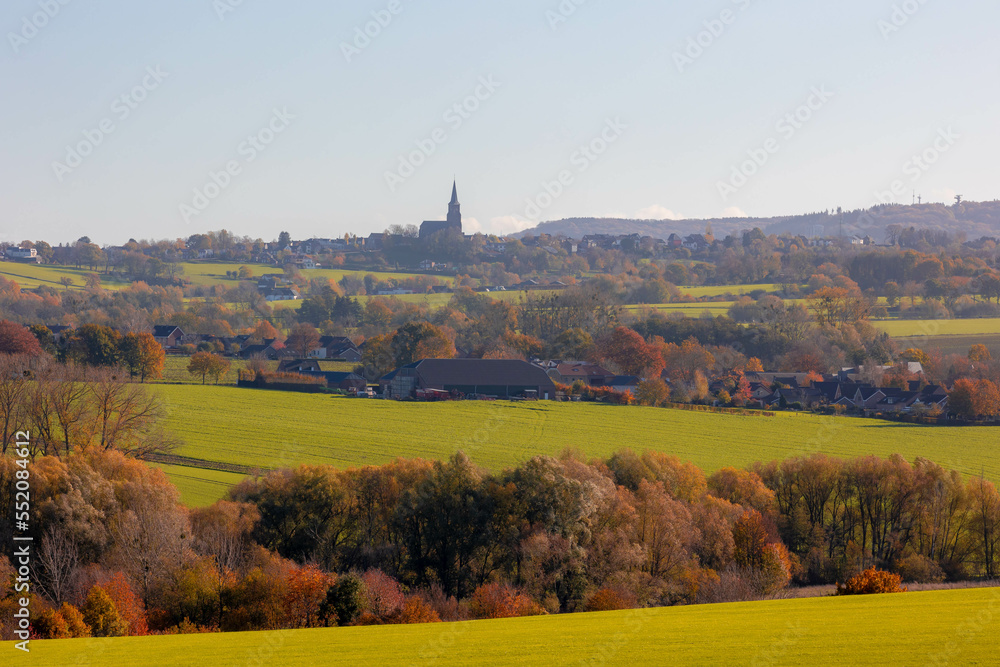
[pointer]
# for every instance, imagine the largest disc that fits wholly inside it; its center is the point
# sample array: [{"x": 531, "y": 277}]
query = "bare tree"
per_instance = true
[
  {"x": 13, "y": 389},
  {"x": 57, "y": 564},
  {"x": 125, "y": 413}
]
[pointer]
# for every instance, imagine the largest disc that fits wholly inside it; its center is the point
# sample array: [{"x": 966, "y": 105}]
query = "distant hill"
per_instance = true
[{"x": 975, "y": 219}]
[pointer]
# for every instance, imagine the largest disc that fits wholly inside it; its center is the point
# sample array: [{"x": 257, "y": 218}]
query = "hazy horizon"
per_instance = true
[{"x": 116, "y": 114}]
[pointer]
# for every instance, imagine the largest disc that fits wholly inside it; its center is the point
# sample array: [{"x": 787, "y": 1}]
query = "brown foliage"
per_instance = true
[
  {"x": 871, "y": 581},
  {"x": 502, "y": 601},
  {"x": 609, "y": 599}
]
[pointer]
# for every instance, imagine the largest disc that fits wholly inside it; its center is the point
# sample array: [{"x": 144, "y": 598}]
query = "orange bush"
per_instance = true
[
  {"x": 415, "y": 610},
  {"x": 871, "y": 582},
  {"x": 502, "y": 601},
  {"x": 608, "y": 599}
]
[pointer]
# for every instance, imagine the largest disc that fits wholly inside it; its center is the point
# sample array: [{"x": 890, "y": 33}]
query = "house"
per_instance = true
[
  {"x": 28, "y": 255},
  {"x": 427, "y": 265},
  {"x": 623, "y": 383},
  {"x": 269, "y": 349},
  {"x": 283, "y": 294},
  {"x": 584, "y": 371},
  {"x": 60, "y": 332},
  {"x": 336, "y": 347},
  {"x": 695, "y": 242},
  {"x": 206, "y": 253},
  {"x": 500, "y": 378},
  {"x": 168, "y": 336},
  {"x": 675, "y": 241},
  {"x": 299, "y": 366},
  {"x": 350, "y": 382}
]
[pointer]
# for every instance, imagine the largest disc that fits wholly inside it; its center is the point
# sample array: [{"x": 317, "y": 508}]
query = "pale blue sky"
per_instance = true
[{"x": 325, "y": 172}]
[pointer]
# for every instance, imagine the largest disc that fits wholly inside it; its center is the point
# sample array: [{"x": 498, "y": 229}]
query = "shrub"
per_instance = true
[
  {"x": 415, "y": 610},
  {"x": 50, "y": 624},
  {"x": 502, "y": 601},
  {"x": 382, "y": 594},
  {"x": 870, "y": 582},
  {"x": 74, "y": 621},
  {"x": 100, "y": 614},
  {"x": 920, "y": 569},
  {"x": 608, "y": 599},
  {"x": 346, "y": 599}
]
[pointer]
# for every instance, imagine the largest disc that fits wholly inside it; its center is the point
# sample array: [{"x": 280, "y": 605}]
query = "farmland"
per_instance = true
[
  {"x": 933, "y": 328},
  {"x": 242, "y": 427},
  {"x": 936, "y": 627},
  {"x": 32, "y": 276}
]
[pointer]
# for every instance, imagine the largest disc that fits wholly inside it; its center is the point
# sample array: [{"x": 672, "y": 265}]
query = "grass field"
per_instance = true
[
  {"x": 32, "y": 276},
  {"x": 719, "y": 290},
  {"x": 933, "y": 328},
  {"x": 933, "y": 628},
  {"x": 267, "y": 429},
  {"x": 175, "y": 370}
]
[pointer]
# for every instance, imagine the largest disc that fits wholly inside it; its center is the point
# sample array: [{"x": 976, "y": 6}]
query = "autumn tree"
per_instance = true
[
  {"x": 16, "y": 339},
  {"x": 100, "y": 613},
  {"x": 142, "y": 355},
  {"x": 208, "y": 364},
  {"x": 303, "y": 339},
  {"x": 627, "y": 349}
]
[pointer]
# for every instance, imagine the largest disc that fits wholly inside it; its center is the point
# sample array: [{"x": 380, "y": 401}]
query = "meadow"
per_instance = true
[
  {"x": 33, "y": 276},
  {"x": 938, "y": 627},
  {"x": 267, "y": 429},
  {"x": 175, "y": 370},
  {"x": 934, "y": 328}
]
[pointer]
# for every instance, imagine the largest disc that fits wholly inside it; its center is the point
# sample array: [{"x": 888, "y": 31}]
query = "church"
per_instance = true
[{"x": 454, "y": 221}]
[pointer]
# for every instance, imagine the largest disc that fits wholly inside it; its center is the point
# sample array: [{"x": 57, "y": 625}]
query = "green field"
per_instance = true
[
  {"x": 214, "y": 273},
  {"x": 716, "y": 308},
  {"x": 175, "y": 370},
  {"x": 934, "y": 328},
  {"x": 32, "y": 276},
  {"x": 933, "y": 628},
  {"x": 267, "y": 429},
  {"x": 719, "y": 290}
]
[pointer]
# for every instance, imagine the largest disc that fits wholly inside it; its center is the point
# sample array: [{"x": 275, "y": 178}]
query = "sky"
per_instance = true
[{"x": 161, "y": 120}]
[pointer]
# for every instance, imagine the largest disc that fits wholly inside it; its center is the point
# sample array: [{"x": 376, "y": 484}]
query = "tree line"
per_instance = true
[{"x": 419, "y": 541}]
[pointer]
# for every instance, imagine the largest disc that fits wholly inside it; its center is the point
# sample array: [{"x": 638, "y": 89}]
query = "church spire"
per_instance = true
[{"x": 454, "y": 208}]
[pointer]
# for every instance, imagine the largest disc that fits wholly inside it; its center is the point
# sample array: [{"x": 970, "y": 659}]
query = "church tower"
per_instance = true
[{"x": 454, "y": 208}]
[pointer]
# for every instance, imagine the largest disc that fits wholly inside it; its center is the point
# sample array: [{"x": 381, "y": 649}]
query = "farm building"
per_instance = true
[
  {"x": 168, "y": 336},
  {"x": 501, "y": 378}
]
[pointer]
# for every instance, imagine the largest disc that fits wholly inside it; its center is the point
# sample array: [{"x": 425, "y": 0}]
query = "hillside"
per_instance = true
[
  {"x": 975, "y": 219},
  {"x": 941, "y": 627},
  {"x": 236, "y": 427}
]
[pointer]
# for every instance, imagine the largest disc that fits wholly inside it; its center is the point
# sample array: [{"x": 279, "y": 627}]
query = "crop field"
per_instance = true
[
  {"x": 939, "y": 627},
  {"x": 175, "y": 370},
  {"x": 720, "y": 290},
  {"x": 268, "y": 429},
  {"x": 715, "y": 308},
  {"x": 213, "y": 273},
  {"x": 32, "y": 276},
  {"x": 934, "y": 328}
]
